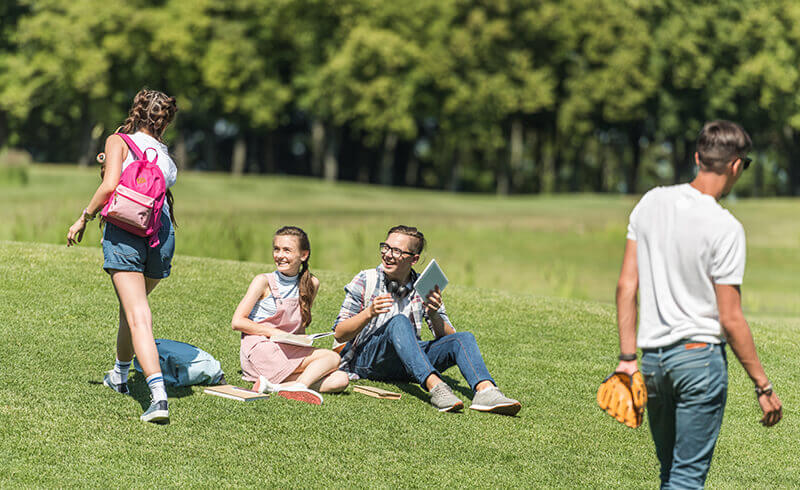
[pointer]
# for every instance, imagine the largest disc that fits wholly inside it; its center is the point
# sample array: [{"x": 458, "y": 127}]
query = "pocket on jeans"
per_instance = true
[
  {"x": 692, "y": 378},
  {"x": 649, "y": 372}
]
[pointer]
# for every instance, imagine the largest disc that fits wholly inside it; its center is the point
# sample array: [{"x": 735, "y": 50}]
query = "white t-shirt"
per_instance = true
[
  {"x": 165, "y": 163},
  {"x": 685, "y": 243}
]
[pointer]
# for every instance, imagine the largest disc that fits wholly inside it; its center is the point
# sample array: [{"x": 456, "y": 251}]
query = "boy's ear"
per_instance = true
[{"x": 416, "y": 259}]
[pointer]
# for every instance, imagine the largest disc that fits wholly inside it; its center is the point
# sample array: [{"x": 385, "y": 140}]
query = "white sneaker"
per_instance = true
[{"x": 264, "y": 386}]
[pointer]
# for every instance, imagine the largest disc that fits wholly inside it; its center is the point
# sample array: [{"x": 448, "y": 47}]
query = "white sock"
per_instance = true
[
  {"x": 156, "y": 384},
  {"x": 486, "y": 389},
  {"x": 264, "y": 386},
  {"x": 120, "y": 373}
]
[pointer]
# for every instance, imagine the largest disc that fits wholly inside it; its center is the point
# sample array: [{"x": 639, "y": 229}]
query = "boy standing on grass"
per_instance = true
[
  {"x": 685, "y": 254},
  {"x": 381, "y": 320}
]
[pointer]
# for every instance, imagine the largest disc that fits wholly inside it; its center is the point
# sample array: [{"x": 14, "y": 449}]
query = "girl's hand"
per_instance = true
[
  {"x": 382, "y": 304},
  {"x": 434, "y": 301},
  {"x": 75, "y": 234}
]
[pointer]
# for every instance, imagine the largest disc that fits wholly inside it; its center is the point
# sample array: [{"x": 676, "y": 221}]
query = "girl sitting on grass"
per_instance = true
[{"x": 276, "y": 303}]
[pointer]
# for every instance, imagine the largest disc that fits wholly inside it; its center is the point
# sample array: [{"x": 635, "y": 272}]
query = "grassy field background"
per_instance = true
[
  {"x": 564, "y": 246},
  {"x": 545, "y": 269}
]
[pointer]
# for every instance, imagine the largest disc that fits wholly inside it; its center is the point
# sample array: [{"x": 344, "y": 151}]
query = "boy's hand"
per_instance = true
[
  {"x": 434, "y": 301},
  {"x": 772, "y": 408},
  {"x": 381, "y": 304}
]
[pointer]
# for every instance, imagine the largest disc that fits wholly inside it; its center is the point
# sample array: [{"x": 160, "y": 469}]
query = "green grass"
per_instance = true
[
  {"x": 61, "y": 427},
  {"x": 564, "y": 246}
]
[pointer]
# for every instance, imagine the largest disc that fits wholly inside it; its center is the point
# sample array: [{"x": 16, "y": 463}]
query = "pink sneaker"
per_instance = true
[{"x": 300, "y": 393}]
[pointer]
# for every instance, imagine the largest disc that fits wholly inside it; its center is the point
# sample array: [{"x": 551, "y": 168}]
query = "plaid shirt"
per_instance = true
[{"x": 356, "y": 299}]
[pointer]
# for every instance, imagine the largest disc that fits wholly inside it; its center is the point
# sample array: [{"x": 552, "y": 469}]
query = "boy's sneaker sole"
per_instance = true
[
  {"x": 455, "y": 408},
  {"x": 301, "y": 395},
  {"x": 505, "y": 409}
]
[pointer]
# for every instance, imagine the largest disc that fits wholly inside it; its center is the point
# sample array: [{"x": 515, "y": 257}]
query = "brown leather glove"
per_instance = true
[{"x": 623, "y": 397}]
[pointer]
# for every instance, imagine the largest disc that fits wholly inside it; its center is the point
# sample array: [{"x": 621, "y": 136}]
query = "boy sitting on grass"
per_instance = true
[{"x": 382, "y": 330}]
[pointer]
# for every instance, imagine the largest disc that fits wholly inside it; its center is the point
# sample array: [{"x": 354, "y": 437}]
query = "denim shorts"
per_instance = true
[{"x": 125, "y": 251}]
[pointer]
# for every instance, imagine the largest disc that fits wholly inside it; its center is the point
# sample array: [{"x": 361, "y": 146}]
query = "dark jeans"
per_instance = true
[
  {"x": 393, "y": 353},
  {"x": 686, "y": 393}
]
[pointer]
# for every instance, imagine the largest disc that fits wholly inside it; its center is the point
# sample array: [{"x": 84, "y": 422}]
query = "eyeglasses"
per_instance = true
[
  {"x": 394, "y": 251},
  {"x": 746, "y": 161}
]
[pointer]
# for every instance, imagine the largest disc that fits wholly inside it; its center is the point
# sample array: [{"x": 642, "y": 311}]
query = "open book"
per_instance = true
[
  {"x": 235, "y": 393},
  {"x": 301, "y": 340},
  {"x": 431, "y": 277}
]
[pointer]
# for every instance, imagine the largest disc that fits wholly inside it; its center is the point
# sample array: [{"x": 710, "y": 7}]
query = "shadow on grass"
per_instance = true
[
  {"x": 141, "y": 393},
  {"x": 415, "y": 390}
]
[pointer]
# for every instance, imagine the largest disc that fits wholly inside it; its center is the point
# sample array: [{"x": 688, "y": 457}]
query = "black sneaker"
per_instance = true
[
  {"x": 119, "y": 388},
  {"x": 158, "y": 413}
]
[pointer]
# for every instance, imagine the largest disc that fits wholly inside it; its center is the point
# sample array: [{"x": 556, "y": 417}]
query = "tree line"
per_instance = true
[{"x": 506, "y": 96}]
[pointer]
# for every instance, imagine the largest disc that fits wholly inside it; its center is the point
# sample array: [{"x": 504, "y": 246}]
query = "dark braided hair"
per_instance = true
[
  {"x": 151, "y": 111},
  {"x": 306, "y": 286}
]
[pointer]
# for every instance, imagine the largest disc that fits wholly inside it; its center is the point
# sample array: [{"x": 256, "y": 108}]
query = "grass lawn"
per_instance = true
[
  {"x": 61, "y": 427},
  {"x": 563, "y": 246}
]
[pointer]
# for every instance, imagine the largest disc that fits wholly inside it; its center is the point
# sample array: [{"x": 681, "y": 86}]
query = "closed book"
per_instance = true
[
  {"x": 235, "y": 393},
  {"x": 376, "y": 392}
]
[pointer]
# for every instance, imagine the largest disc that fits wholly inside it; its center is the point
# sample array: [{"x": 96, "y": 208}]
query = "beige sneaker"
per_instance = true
[
  {"x": 443, "y": 399},
  {"x": 494, "y": 401}
]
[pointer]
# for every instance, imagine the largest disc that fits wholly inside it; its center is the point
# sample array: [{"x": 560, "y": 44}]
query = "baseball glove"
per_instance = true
[{"x": 623, "y": 397}]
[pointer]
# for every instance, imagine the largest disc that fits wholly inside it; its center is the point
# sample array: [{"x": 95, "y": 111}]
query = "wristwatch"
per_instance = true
[
  {"x": 764, "y": 391},
  {"x": 627, "y": 357},
  {"x": 88, "y": 217}
]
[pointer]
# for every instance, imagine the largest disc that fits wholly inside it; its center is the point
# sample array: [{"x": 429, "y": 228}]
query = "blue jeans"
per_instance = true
[
  {"x": 393, "y": 353},
  {"x": 125, "y": 251},
  {"x": 687, "y": 387}
]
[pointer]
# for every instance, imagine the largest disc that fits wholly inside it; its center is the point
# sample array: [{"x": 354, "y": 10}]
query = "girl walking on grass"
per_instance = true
[
  {"x": 134, "y": 265},
  {"x": 280, "y": 302}
]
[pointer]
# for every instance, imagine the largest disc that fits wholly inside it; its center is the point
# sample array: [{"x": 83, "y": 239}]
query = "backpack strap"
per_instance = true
[
  {"x": 369, "y": 286},
  {"x": 129, "y": 141},
  {"x": 369, "y": 290}
]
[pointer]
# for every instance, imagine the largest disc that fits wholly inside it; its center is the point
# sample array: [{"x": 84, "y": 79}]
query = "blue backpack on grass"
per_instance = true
[{"x": 183, "y": 364}]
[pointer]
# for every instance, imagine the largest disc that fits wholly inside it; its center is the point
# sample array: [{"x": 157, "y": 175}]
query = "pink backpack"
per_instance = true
[{"x": 136, "y": 203}]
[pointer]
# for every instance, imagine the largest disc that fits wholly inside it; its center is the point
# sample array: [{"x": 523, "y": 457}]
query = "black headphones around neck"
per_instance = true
[{"x": 396, "y": 289}]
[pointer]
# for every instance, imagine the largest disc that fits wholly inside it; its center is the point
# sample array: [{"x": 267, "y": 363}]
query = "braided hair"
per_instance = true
[
  {"x": 151, "y": 111},
  {"x": 306, "y": 286}
]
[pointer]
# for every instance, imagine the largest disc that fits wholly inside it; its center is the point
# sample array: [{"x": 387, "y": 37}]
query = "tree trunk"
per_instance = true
[
  {"x": 792, "y": 143},
  {"x": 517, "y": 146},
  {"x": 387, "y": 161},
  {"x": 317, "y": 147},
  {"x": 210, "y": 153},
  {"x": 634, "y": 134},
  {"x": 460, "y": 160},
  {"x": 239, "y": 157},
  {"x": 91, "y": 137},
  {"x": 181, "y": 154},
  {"x": 549, "y": 169},
  {"x": 412, "y": 170},
  {"x": 331, "y": 163},
  {"x": 3, "y": 129},
  {"x": 270, "y": 166}
]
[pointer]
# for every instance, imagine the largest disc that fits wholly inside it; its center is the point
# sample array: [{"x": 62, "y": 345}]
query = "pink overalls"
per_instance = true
[{"x": 261, "y": 356}]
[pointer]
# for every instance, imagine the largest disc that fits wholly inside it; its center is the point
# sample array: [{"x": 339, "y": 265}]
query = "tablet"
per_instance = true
[{"x": 431, "y": 277}]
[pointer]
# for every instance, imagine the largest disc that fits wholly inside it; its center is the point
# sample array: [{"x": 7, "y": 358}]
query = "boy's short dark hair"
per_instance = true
[
  {"x": 720, "y": 142},
  {"x": 412, "y": 232}
]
